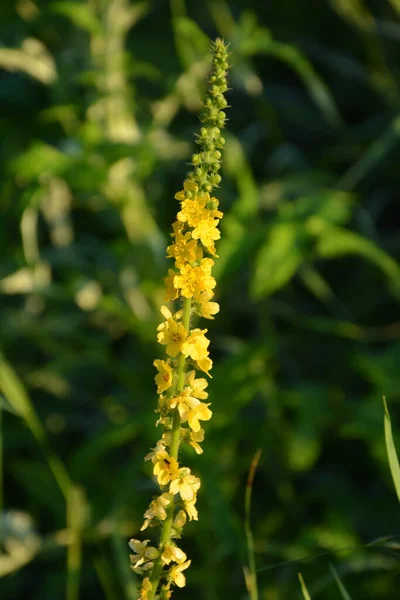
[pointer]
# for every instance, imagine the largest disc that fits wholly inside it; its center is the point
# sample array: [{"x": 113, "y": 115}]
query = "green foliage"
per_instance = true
[{"x": 98, "y": 106}]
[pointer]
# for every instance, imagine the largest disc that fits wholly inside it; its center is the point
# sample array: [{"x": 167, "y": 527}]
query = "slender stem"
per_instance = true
[{"x": 173, "y": 452}]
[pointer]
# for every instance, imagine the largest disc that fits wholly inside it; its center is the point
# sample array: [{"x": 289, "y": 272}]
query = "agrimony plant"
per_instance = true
[{"x": 181, "y": 405}]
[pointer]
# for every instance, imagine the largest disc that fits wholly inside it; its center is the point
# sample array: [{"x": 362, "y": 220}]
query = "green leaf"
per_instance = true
[
  {"x": 191, "y": 41},
  {"x": 316, "y": 87},
  {"x": 81, "y": 15},
  {"x": 336, "y": 242},
  {"x": 278, "y": 259},
  {"x": 304, "y": 589},
  {"x": 343, "y": 591},
  {"x": 391, "y": 450}
]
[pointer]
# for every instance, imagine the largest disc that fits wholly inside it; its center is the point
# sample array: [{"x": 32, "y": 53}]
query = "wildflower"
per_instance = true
[
  {"x": 164, "y": 377},
  {"x": 203, "y": 306},
  {"x": 180, "y": 519},
  {"x": 196, "y": 344},
  {"x": 197, "y": 386},
  {"x": 157, "y": 510},
  {"x": 171, "y": 292},
  {"x": 185, "y": 484},
  {"x": 146, "y": 588},
  {"x": 191, "y": 510},
  {"x": 196, "y": 413},
  {"x": 176, "y": 574},
  {"x": 189, "y": 189},
  {"x": 144, "y": 556},
  {"x": 192, "y": 280},
  {"x": 207, "y": 232},
  {"x": 195, "y": 437},
  {"x": 181, "y": 405},
  {"x": 184, "y": 250},
  {"x": 166, "y": 469},
  {"x": 172, "y": 335},
  {"x": 172, "y": 553}
]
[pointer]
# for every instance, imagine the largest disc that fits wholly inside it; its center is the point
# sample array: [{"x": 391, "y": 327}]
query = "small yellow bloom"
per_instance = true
[
  {"x": 164, "y": 377},
  {"x": 180, "y": 519},
  {"x": 184, "y": 250},
  {"x": 156, "y": 453},
  {"x": 166, "y": 469},
  {"x": 172, "y": 553},
  {"x": 196, "y": 345},
  {"x": 197, "y": 386},
  {"x": 143, "y": 558},
  {"x": 196, "y": 413},
  {"x": 176, "y": 574},
  {"x": 185, "y": 484},
  {"x": 145, "y": 589},
  {"x": 203, "y": 306},
  {"x": 191, "y": 510},
  {"x": 207, "y": 232},
  {"x": 188, "y": 186},
  {"x": 172, "y": 335},
  {"x": 171, "y": 293},
  {"x": 157, "y": 510},
  {"x": 205, "y": 364},
  {"x": 193, "y": 280},
  {"x": 195, "y": 438}
]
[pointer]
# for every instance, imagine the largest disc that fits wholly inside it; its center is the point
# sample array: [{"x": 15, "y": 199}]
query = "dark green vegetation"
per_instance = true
[{"x": 98, "y": 106}]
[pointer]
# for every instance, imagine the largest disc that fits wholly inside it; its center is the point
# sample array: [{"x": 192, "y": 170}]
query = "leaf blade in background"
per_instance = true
[
  {"x": 304, "y": 589},
  {"x": 391, "y": 450},
  {"x": 345, "y": 594}
]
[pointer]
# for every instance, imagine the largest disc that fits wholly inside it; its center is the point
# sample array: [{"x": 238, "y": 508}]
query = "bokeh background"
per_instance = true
[{"x": 98, "y": 105}]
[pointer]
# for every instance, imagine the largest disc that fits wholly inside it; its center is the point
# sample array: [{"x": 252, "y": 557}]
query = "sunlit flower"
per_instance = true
[
  {"x": 176, "y": 574},
  {"x": 193, "y": 280},
  {"x": 164, "y": 377},
  {"x": 196, "y": 345},
  {"x": 185, "y": 484},
  {"x": 172, "y": 553},
  {"x": 172, "y": 335},
  {"x": 144, "y": 556},
  {"x": 145, "y": 589},
  {"x": 156, "y": 509},
  {"x": 203, "y": 306},
  {"x": 207, "y": 232}
]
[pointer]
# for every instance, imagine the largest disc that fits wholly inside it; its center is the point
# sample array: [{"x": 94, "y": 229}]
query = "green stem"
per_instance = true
[{"x": 173, "y": 452}]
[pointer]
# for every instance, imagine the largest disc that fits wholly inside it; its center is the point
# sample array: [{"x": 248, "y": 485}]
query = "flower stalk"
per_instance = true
[{"x": 181, "y": 391}]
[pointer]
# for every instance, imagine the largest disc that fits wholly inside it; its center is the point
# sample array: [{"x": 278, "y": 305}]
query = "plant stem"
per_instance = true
[{"x": 173, "y": 452}]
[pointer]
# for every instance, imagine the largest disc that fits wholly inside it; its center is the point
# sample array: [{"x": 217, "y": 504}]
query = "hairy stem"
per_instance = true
[{"x": 173, "y": 452}]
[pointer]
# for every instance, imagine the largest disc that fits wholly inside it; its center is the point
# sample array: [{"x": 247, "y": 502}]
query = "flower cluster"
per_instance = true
[{"x": 181, "y": 386}]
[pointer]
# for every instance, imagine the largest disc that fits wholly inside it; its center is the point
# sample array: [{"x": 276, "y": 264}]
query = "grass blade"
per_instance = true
[
  {"x": 15, "y": 393},
  {"x": 304, "y": 589},
  {"x": 391, "y": 450},
  {"x": 76, "y": 512},
  {"x": 250, "y": 573},
  {"x": 343, "y": 591}
]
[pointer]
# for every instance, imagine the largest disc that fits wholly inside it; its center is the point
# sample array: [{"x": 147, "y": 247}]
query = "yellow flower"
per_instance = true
[
  {"x": 172, "y": 335},
  {"x": 145, "y": 589},
  {"x": 195, "y": 438},
  {"x": 193, "y": 212},
  {"x": 191, "y": 510},
  {"x": 189, "y": 189},
  {"x": 207, "y": 232},
  {"x": 196, "y": 345},
  {"x": 143, "y": 558},
  {"x": 166, "y": 469},
  {"x": 197, "y": 386},
  {"x": 164, "y": 377},
  {"x": 185, "y": 484},
  {"x": 176, "y": 574},
  {"x": 196, "y": 413},
  {"x": 202, "y": 305},
  {"x": 193, "y": 280},
  {"x": 172, "y": 553},
  {"x": 205, "y": 364},
  {"x": 156, "y": 453},
  {"x": 157, "y": 510},
  {"x": 184, "y": 250},
  {"x": 171, "y": 293},
  {"x": 180, "y": 519}
]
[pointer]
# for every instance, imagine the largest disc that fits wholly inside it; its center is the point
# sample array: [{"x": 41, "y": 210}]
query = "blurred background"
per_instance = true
[{"x": 98, "y": 105}]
